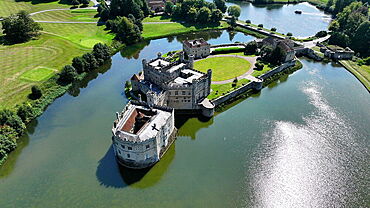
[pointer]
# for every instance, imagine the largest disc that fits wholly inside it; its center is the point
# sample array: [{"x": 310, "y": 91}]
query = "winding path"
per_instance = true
[{"x": 246, "y": 75}]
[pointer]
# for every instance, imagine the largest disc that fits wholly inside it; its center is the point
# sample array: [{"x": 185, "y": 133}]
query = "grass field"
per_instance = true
[
  {"x": 24, "y": 65},
  {"x": 8, "y": 7},
  {"x": 78, "y": 15},
  {"x": 157, "y": 19},
  {"x": 265, "y": 69},
  {"x": 37, "y": 74},
  {"x": 86, "y": 35},
  {"x": 361, "y": 72},
  {"x": 223, "y": 68},
  {"x": 222, "y": 89},
  {"x": 152, "y": 31}
]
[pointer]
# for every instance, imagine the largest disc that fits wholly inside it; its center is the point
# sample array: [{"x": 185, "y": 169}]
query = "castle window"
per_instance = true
[
  {"x": 129, "y": 148},
  {"x": 176, "y": 92},
  {"x": 183, "y": 92},
  {"x": 147, "y": 146},
  {"x": 128, "y": 155},
  {"x": 123, "y": 146}
]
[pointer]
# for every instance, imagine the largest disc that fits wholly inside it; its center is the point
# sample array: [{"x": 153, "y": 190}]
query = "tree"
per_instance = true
[
  {"x": 321, "y": 34},
  {"x": 75, "y": 3},
  {"x": 361, "y": 40},
  {"x": 235, "y": 82},
  {"x": 36, "y": 92},
  {"x": 11, "y": 119},
  {"x": 248, "y": 21},
  {"x": 234, "y": 11},
  {"x": 289, "y": 34},
  {"x": 68, "y": 74},
  {"x": 260, "y": 25},
  {"x": 25, "y": 112},
  {"x": 233, "y": 21},
  {"x": 20, "y": 27},
  {"x": 338, "y": 38},
  {"x": 204, "y": 15},
  {"x": 79, "y": 64},
  {"x": 216, "y": 16},
  {"x": 101, "y": 51},
  {"x": 277, "y": 56},
  {"x": 273, "y": 29},
  {"x": 221, "y": 5},
  {"x": 259, "y": 66},
  {"x": 127, "y": 32},
  {"x": 192, "y": 15},
  {"x": 251, "y": 48},
  {"x": 90, "y": 61},
  {"x": 168, "y": 9},
  {"x": 85, "y": 2}
]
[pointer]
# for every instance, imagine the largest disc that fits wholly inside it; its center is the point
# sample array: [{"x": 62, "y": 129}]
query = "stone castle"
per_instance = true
[{"x": 174, "y": 84}]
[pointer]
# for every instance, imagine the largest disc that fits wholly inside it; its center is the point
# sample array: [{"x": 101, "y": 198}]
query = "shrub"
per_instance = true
[
  {"x": 273, "y": 29},
  {"x": 251, "y": 48},
  {"x": 36, "y": 93},
  {"x": 259, "y": 66},
  {"x": 321, "y": 34},
  {"x": 11, "y": 119},
  {"x": 248, "y": 21},
  {"x": 289, "y": 34},
  {"x": 25, "y": 112},
  {"x": 260, "y": 25},
  {"x": 68, "y": 74},
  {"x": 90, "y": 61}
]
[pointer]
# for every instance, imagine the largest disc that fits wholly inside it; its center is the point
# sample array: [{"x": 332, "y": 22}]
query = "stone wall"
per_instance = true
[{"x": 252, "y": 85}]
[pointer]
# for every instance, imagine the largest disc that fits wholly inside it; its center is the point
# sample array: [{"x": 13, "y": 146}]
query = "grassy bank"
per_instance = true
[
  {"x": 8, "y": 7},
  {"x": 362, "y": 73},
  {"x": 219, "y": 90},
  {"x": 154, "y": 31}
]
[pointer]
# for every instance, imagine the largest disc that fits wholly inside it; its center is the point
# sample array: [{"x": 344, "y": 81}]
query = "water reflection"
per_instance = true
[
  {"x": 133, "y": 51},
  {"x": 110, "y": 174},
  {"x": 190, "y": 125},
  {"x": 206, "y": 35}
]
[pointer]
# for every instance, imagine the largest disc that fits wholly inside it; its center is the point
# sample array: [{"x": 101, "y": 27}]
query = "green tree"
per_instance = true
[
  {"x": 221, "y": 5},
  {"x": 216, "y": 15},
  {"x": 168, "y": 9},
  {"x": 85, "y": 2},
  {"x": 11, "y": 119},
  {"x": 75, "y": 3},
  {"x": 26, "y": 112},
  {"x": 68, "y": 74},
  {"x": 127, "y": 32},
  {"x": 36, "y": 92},
  {"x": 192, "y": 15},
  {"x": 321, "y": 34},
  {"x": 79, "y": 64},
  {"x": 234, "y": 11},
  {"x": 233, "y": 21},
  {"x": 289, "y": 34},
  {"x": 101, "y": 51},
  {"x": 339, "y": 38},
  {"x": 204, "y": 15},
  {"x": 361, "y": 40},
  {"x": 90, "y": 61},
  {"x": 251, "y": 48},
  {"x": 20, "y": 27}
]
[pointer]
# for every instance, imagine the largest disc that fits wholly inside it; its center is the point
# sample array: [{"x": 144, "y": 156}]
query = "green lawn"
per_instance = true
[
  {"x": 152, "y": 31},
  {"x": 157, "y": 19},
  {"x": 361, "y": 72},
  {"x": 86, "y": 35},
  {"x": 222, "y": 89},
  {"x": 37, "y": 74},
  {"x": 23, "y": 65},
  {"x": 223, "y": 68},
  {"x": 8, "y": 7},
  {"x": 77, "y": 15},
  {"x": 265, "y": 69}
]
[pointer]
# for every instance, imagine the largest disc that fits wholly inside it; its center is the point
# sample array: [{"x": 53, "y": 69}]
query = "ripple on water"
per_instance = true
[{"x": 320, "y": 163}]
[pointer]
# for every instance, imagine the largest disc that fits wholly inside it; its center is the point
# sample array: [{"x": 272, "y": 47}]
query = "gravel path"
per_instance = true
[{"x": 250, "y": 59}]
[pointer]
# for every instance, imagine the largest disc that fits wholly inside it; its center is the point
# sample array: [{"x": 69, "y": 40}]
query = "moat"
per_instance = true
[{"x": 302, "y": 141}]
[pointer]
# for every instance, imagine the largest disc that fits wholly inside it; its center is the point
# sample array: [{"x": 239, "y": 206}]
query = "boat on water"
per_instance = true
[{"x": 298, "y": 11}]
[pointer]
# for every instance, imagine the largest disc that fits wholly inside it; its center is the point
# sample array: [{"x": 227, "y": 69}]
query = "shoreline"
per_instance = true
[{"x": 356, "y": 74}]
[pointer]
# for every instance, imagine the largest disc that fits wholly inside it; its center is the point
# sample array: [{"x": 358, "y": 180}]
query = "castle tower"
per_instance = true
[
  {"x": 159, "y": 55},
  {"x": 191, "y": 61},
  {"x": 209, "y": 77}
]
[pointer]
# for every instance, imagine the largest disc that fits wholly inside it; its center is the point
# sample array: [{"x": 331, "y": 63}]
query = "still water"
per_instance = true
[
  {"x": 302, "y": 142},
  {"x": 283, "y": 18}
]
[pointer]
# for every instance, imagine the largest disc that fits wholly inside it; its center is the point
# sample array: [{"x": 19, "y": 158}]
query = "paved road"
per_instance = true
[
  {"x": 312, "y": 43},
  {"x": 251, "y": 60}
]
